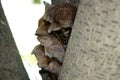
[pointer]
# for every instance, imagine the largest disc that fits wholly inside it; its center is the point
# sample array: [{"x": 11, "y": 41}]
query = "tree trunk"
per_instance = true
[
  {"x": 94, "y": 48},
  {"x": 11, "y": 66}
]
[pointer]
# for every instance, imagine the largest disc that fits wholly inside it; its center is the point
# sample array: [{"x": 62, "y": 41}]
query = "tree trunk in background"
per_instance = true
[
  {"x": 11, "y": 66},
  {"x": 94, "y": 48}
]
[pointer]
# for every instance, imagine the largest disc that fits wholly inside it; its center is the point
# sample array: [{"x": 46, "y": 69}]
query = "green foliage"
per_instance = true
[
  {"x": 37, "y": 1},
  {"x": 29, "y": 58}
]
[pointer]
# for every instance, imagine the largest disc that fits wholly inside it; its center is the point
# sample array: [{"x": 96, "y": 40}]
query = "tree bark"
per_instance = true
[
  {"x": 94, "y": 48},
  {"x": 11, "y": 66}
]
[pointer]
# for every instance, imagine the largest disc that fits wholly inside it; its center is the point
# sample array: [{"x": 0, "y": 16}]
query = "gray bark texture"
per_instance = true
[
  {"x": 94, "y": 48},
  {"x": 11, "y": 67}
]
